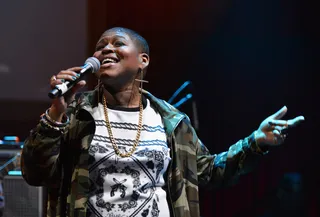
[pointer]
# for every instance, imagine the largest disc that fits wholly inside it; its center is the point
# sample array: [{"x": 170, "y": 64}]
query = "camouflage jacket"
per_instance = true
[{"x": 59, "y": 160}]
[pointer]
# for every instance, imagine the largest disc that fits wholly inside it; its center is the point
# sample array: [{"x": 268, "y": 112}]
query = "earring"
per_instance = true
[{"x": 141, "y": 78}]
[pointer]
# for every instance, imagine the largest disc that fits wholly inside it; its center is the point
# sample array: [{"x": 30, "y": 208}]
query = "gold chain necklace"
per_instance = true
[{"x": 113, "y": 142}]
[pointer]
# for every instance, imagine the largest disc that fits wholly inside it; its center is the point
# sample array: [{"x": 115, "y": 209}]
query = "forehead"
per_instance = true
[{"x": 114, "y": 34}]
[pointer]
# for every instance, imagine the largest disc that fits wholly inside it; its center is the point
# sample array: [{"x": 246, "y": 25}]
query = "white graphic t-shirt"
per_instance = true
[{"x": 130, "y": 186}]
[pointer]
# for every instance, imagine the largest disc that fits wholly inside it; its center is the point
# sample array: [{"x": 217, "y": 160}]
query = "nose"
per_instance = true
[{"x": 108, "y": 49}]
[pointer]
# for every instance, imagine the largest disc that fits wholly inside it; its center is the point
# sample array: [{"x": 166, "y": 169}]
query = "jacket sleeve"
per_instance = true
[
  {"x": 224, "y": 169},
  {"x": 41, "y": 158}
]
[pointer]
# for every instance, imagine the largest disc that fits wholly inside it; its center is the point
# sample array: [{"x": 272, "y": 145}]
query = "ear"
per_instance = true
[{"x": 144, "y": 60}]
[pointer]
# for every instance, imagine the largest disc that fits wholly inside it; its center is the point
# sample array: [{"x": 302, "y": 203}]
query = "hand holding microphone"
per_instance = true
[
  {"x": 92, "y": 65},
  {"x": 66, "y": 83}
]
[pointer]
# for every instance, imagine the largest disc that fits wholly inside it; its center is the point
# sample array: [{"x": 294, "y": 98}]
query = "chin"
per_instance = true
[
  {"x": 109, "y": 78},
  {"x": 107, "y": 74}
]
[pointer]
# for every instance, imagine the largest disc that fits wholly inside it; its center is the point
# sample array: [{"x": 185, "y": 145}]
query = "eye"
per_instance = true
[
  {"x": 98, "y": 48},
  {"x": 118, "y": 43}
]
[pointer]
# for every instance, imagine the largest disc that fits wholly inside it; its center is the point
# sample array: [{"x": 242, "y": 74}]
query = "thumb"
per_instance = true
[
  {"x": 279, "y": 114},
  {"x": 69, "y": 96},
  {"x": 78, "y": 86}
]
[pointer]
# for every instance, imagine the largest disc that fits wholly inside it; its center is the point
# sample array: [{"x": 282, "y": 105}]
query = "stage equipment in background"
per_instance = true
[
  {"x": 186, "y": 98},
  {"x": 21, "y": 199}
]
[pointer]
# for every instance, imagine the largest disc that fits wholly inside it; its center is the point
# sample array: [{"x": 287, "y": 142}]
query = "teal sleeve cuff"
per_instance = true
[{"x": 255, "y": 148}]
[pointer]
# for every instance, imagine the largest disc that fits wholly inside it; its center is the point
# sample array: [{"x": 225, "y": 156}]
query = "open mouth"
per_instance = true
[{"x": 109, "y": 60}]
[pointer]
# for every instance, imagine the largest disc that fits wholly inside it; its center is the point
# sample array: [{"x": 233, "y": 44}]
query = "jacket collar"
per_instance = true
[{"x": 171, "y": 116}]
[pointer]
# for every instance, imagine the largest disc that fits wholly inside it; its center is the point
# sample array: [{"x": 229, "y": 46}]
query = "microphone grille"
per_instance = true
[{"x": 94, "y": 62}]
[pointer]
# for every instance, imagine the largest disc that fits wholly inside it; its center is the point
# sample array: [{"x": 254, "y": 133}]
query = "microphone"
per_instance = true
[{"x": 92, "y": 65}]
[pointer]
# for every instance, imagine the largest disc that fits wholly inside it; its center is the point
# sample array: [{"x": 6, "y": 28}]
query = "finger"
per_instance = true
[
  {"x": 78, "y": 86},
  {"x": 276, "y": 133},
  {"x": 53, "y": 83},
  {"x": 69, "y": 95},
  {"x": 278, "y": 123},
  {"x": 279, "y": 114},
  {"x": 81, "y": 84},
  {"x": 67, "y": 72},
  {"x": 274, "y": 126},
  {"x": 280, "y": 128},
  {"x": 68, "y": 76},
  {"x": 278, "y": 138},
  {"x": 295, "y": 121},
  {"x": 76, "y": 69},
  {"x": 62, "y": 76}
]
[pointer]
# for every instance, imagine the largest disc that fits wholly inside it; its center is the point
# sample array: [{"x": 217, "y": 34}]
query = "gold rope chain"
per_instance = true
[{"x": 113, "y": 142}]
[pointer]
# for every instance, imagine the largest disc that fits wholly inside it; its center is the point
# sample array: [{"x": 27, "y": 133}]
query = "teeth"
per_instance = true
[{"x": 108, "y": 60}]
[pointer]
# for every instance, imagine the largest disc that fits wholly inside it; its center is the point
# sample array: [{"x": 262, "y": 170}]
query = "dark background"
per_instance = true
[{"x": 246, "y": 59}]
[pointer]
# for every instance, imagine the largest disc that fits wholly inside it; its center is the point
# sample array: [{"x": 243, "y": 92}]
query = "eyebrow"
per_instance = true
[{"x": 116, "y": 36}]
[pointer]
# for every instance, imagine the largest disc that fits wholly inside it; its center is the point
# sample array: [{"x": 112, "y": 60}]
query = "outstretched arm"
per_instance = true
[{"x": 225, "y": 168}]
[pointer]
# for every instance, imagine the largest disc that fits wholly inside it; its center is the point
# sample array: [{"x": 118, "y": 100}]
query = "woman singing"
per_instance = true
[{"x": 120, "y": 151}]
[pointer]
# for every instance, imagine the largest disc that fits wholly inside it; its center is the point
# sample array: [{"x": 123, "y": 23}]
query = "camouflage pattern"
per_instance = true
[{"x": 59, "y": 160}]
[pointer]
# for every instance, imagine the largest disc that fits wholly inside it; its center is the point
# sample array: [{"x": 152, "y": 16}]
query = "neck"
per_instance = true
[{"x": 127, "y": 98}]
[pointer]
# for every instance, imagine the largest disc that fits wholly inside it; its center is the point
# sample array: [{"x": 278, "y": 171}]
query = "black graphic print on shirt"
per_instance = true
[{"x": 131, "y": 186}]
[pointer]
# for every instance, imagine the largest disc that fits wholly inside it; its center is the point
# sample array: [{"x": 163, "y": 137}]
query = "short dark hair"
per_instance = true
[{"x": 136, "y": 37}]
